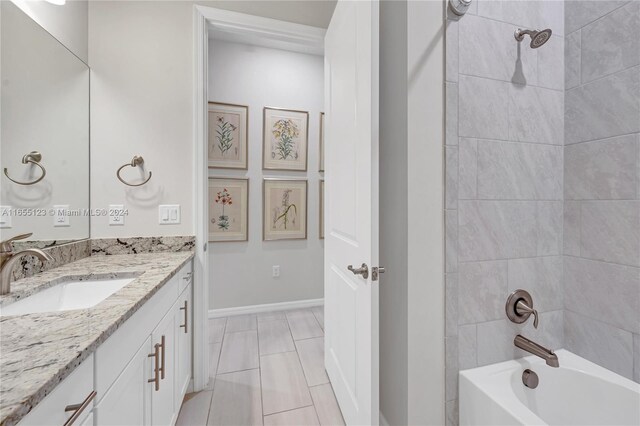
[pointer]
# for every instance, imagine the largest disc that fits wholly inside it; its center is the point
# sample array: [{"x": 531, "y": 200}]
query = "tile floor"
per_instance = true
[{"x": 266, "y": 369}]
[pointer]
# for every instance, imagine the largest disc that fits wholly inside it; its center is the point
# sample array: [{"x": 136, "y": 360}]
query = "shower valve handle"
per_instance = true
[
  {"x": 523, "y": 309},
  {"x": 519, "y": 307}
]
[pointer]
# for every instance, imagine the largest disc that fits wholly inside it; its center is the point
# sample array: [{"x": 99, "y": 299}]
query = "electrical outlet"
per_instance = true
[
  {"x": 5, "y": 216},
  {"x": 116, "y": 215},
  {"x": 169, "y": 214},
  {"x": 60, "y": 216},
  {"x": 276, "y": 271}
]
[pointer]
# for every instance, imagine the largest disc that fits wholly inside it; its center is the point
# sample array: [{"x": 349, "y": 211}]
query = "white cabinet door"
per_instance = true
[
  {"x": 162, "y": 397},
  {"x": 128, "y": 400},
  {"x": 184, "y": 331}
]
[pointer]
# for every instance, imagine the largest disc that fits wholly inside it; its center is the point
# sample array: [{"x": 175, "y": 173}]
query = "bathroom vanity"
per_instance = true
[{"x": 126, "y": 360}]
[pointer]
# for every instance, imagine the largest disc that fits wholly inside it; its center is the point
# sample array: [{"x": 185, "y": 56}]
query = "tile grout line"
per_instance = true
[
  {"x": 260, "y": 370},
  {"x": 602, "y": 77},
  {"x": 604, "y": 139},
  {"x": 213, "y": 385}
]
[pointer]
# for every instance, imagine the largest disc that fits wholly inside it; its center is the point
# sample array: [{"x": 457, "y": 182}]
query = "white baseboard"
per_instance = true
[
  {"x": 269, "y": 307},
  {"x": 383, "y": 421}
]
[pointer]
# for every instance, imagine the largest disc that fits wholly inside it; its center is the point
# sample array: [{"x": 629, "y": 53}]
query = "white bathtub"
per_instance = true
[{"x": 578, "y": 393}]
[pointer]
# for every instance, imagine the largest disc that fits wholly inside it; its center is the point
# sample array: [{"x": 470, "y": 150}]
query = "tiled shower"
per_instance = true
[{"x": 543, "y": 182}]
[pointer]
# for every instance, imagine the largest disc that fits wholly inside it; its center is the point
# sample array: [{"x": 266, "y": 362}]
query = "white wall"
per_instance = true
[
  {"x": 426, "y": 306},
  {"x": 141, "y": 58},
  {"x": 411, "y": 217},
  {"x": 68, "y": 23},
  {"x": 241, "y": 272}
]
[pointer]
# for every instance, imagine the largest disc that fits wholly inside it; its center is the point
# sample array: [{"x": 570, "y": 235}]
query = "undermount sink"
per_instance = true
[{"x": 67, "y": 296}]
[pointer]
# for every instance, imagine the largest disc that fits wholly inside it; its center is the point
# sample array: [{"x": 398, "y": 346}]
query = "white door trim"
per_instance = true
[
  {"x": 200, "y": 170},
  {"x": 241, "y": 27}
]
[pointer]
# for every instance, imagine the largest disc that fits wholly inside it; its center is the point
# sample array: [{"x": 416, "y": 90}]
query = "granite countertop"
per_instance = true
[{"x": 37, "y": 351}]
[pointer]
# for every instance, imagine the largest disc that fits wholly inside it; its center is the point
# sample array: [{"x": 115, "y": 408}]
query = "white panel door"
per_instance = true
[{"x": 351, "y": 208}]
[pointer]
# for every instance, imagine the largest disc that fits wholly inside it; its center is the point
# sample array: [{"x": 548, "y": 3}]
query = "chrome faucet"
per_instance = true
[
  {"x": 9, "y": 258},
  {"x": 533, "y": 348}
]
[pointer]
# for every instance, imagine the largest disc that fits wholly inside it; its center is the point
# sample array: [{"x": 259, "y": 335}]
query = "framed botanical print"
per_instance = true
[
  {"x": 285, "y": 139},
  {"x": 321, "y": 209},
  {"x": 228, "y": 209},
  {"x": 321, "y": 143},
  {"x": 228, "y": 135},
  {"x": 284, "y": 209}
]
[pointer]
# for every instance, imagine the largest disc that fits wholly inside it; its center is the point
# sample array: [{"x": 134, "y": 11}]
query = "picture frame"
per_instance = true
[
  {"x": 321, "y": 204},
  {"x": 228, "y": 209},
  {"x": 228, "y": 136},
  {"x": 284, "y": 209},
  {"x": 285, "y": 139},
  {"x": 321, "y": 144}
]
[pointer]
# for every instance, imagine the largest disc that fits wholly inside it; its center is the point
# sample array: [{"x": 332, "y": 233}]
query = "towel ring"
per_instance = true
[
  {"x": 136, "y": 161},
  {"x": 34, "y": 157}
]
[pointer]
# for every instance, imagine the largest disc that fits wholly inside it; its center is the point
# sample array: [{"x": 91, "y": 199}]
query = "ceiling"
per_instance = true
[{"x": 315, "y": 13}]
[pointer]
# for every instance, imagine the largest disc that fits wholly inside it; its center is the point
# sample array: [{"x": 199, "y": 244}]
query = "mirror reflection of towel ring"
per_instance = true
[
  {"x": 136, "y": 161},
  {"x": 34, "y": 157}
]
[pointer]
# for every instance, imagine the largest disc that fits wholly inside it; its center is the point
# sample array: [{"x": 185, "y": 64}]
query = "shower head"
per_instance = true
[{"x": 538, "y": 38}]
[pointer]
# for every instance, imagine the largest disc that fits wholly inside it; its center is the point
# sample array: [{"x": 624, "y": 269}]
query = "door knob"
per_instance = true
[{"x": 362, "y": 270}]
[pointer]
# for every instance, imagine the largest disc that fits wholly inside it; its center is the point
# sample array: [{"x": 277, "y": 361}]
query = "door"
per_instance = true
[
  {"x": 351, "y": 209},
  {"x": 128, "y": 400}
]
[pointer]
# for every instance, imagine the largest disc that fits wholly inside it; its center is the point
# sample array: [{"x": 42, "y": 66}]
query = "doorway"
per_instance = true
[{"x": 262, "y": 197}]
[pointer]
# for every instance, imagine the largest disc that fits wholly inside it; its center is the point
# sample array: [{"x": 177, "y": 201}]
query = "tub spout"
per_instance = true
[{"x": 533, "y": 348}]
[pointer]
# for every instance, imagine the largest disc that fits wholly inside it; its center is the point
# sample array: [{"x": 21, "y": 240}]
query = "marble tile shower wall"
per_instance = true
[
  {"x": 602, "y": 183},
  {"x": 504, "y": 181}
]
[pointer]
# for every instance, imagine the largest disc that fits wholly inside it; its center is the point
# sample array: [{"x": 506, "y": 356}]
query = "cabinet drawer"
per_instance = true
[{"x": 75, "y": 389}]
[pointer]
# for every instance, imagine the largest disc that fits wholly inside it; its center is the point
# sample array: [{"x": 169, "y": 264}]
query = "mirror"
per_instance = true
[{"x": 44, "y": 134}]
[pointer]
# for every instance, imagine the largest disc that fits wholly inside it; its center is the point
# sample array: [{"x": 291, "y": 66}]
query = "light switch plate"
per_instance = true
[
  {"x": 5, "y": 217},
  {"x": 116, "y": 215},
  {"x": 169, "y": 214},
  {"x": 60, "y": 216}
]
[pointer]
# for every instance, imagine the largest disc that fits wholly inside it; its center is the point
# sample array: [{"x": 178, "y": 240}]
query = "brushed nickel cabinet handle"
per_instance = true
[
  {"x": 163, "y": 353},
  {"x": 186, "y": 316},
  {"x": 78, "y": 408},
  {"x": 156, "y": 366}
]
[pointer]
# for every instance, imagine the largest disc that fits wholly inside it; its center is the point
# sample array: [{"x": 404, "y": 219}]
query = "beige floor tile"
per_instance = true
[
  {"x": 195, "y": 409},
  {"x": 274, "y": 337},
  {"x": 214, "y": 357},
  {"x": 241, "y": 323},
  {"x": 326, "y": 405},
  {"x": 303, "y": 325},
  {"x": 283, "y": 384},
  {"x": 239, "y": 352},
  {"x": 311, "y": 353},
  {"x": 216, "y": 329},
  {"x": 318, "y": 311},
  {"x": 270, "y": 316},
  {"x": 236, "y": 399},
  {"x": 300, "y": 417}
]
